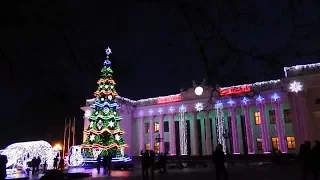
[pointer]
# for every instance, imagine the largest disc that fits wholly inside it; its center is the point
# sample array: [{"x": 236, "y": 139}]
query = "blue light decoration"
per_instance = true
[
  {"x": 108, "y": 51},
  {"x": 160, "y": 110},
  {"x": 231, "y": 102},
  {"x": 259, "y": 99},
  {"x": 275, "y": 97},
  {"x": 219, "y": 104},
  {"x": 182, "y": 108},
  {"x": 107, "y": 62},
  {"x": 171, "y": 109},
  {"x": 150, "y": 111},
  {"x": 105, "y": 104},
  {"x": 245, "y": 100},
  {"x": 140, "y": 113}
]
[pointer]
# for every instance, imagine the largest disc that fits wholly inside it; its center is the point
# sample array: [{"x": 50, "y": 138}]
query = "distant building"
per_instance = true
[{"x": 252, "y": 118}]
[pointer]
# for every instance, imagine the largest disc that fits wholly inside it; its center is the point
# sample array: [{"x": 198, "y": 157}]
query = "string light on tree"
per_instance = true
[
  {"x": 295, "y": 87},
  {"x": 199, "y": 106}
]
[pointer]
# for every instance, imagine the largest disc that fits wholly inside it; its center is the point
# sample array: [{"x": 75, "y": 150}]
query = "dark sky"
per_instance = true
[{"x": 51, "y": 53}]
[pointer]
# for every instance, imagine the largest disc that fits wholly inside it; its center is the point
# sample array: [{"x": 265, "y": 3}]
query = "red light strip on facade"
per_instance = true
[
  {"x": 168, "y": 99},
  {"x": 235, "y": 90}
]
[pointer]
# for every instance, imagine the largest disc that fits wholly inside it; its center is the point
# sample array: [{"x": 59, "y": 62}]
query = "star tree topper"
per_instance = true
[{"x": 108, "y": 51}]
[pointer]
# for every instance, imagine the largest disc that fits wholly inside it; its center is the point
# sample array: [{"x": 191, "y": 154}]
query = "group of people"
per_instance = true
[
  {"x": 35, "y": 164},
  {"x": 148, "y": 162},
  {"x": 105, "y": 162},
  {"x": 309, "y": 158},
  {"x": 58, "y": 163}
]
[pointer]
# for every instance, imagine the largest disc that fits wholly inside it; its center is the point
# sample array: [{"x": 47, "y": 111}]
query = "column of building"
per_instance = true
[
  {"x": 245, "y": 107},
  {"x": 161, "y": 133},
  {"x": 141, "y": 134},
  {"x": 151, "y": 132},
  {"x": 208, "y": 133},
  {"x": 172, "y": 135},
  {"x": 194, "y": 135},
  {"x": 279, "y": 125},
  {"x": 263, "y": 125},
  {"x": 234, "y": 129}
]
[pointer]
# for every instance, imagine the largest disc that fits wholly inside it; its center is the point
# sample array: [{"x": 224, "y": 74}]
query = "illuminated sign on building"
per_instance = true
[
  {"x": 235, "y": 90},
  {"x": 168, "y": 99}
]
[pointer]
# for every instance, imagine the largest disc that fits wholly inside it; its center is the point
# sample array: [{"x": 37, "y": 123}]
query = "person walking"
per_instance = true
[{"x": 220, "y": 160}]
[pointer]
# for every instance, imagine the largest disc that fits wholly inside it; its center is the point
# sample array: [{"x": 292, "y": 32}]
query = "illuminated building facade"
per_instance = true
[{"x": 251, "y": 118}]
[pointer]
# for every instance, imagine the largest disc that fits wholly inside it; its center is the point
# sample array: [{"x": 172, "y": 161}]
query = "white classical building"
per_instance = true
[{"x": 251, "y": 118}]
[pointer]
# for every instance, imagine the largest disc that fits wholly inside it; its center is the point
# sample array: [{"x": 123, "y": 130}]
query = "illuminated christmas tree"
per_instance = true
[{"x": 104, "y": 132}]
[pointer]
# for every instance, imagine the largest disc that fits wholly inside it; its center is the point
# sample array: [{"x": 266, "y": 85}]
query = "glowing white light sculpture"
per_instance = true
[
  {"x": 295, "y": 87},
  {"x": 198, "y": 90},
  {"x": 18, "y": 154},
  {"x": 75, "y": 157}
]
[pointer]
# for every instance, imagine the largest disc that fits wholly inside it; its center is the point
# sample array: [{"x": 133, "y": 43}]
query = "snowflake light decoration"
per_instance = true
[
  {"x": 92, "y": 137},
  {"x": 295, "y": 87},
  {"x": 160, "y": 110},
  {"x": 231, "y": 102},
  {"x": 275, "y": 97},
  {"x": 245, "y": 100},
  {"x": 117, "y": 137},
  {"x": 140, "y": 113},
  {"x": 111, "y": 124},
  {"x": 182, "y": 108},
  {"x": 171, "y": 109},
  {"x": 259, "y": 99},
  {"x": 199, "y": 106},
  {"x": 150, "y": 111}
]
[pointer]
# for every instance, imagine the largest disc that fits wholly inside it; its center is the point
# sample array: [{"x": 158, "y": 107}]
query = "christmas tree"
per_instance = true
[{"x": 104, "y": 133}]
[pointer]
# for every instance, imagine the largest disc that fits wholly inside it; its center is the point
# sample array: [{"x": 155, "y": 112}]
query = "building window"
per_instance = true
[
  {"x": 291, "y": 142},
  {"x": 166, "y": 126},
  {"x": 157, "y": 147},
  {"x": 257, "y": 118},
  {"x": 287, "y": 115},
  {"x": 166, "y": 147},
  {"x": 275, "y": 142},
  {"x": 272, "y": 116},
  {"x": 259, "y": 144},
  {"x": 147, "y": 146},
  {"x": 146, "y": 127},
  {"x": 156, "y": 127}
]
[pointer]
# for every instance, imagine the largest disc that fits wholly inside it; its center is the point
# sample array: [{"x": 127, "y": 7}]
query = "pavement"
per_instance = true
[{"x": 238, "y": 172}]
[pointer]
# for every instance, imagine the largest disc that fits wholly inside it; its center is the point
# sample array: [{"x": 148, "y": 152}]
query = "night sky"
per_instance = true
[{"x": 51, "y": 53}]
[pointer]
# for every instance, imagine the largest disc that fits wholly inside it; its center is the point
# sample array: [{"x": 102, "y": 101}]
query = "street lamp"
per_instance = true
[
  {"x": 57, "y": 147},
  {"x": 198, "y": 90}
]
